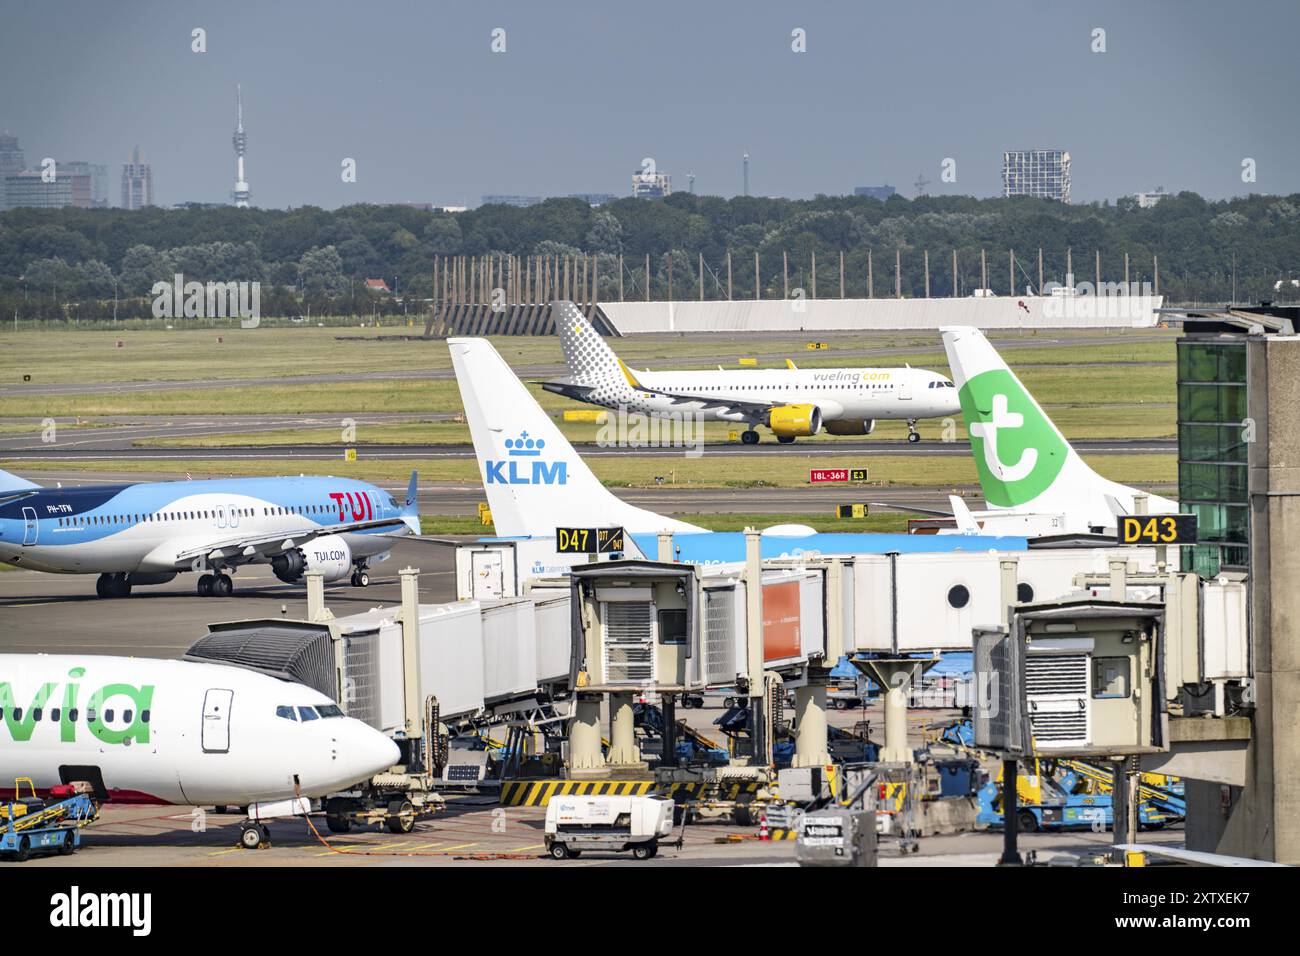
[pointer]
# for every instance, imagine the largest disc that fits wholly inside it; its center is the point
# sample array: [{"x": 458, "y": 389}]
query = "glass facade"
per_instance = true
[{"x": 1212, "y": 451}]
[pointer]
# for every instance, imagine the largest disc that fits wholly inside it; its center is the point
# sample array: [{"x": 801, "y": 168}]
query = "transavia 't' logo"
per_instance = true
[
  {"x": 1017, "y": 452},
  {"x": 523, "y": 465}
]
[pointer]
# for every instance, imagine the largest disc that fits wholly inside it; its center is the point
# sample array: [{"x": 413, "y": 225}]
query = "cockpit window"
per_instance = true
[
  {"x": 307, "y": 713},
  {"x": 329, "y": 710},
  {"x": 285, "y": 711}
]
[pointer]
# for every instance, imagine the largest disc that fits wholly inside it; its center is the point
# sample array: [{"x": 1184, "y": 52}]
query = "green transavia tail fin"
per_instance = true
[{"x": 1023, "y": 460}]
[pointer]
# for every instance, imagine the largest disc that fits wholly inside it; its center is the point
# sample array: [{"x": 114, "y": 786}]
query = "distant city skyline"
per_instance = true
[{"x": 428, "y": 113}]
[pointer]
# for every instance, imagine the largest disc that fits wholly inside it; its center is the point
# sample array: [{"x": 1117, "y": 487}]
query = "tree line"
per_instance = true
[{"x": 57, "y": 263}]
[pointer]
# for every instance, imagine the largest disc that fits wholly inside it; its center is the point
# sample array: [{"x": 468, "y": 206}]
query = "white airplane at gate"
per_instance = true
[
  {"x": 792, "y": 402},
  {"x": 178, "y": 732}
]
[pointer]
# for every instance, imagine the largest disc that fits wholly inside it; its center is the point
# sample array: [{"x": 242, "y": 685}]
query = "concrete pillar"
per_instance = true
[
  {"x": 584, "y": 735},
  {"x": 810, "y": 747},
  {"x": 316, "y": 609},
  {"x": 896, "y": 749},
  {"x": 410, "y": 578},
  {"x": 1118, "y": 579},
  {"x": 622, "y": 731}
]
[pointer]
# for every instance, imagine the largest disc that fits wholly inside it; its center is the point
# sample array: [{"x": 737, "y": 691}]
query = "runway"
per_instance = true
[{"x": 86, "y": 450}]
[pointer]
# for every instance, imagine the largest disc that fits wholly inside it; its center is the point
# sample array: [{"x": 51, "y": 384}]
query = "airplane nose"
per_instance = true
[{"x": 370, "y": 752}]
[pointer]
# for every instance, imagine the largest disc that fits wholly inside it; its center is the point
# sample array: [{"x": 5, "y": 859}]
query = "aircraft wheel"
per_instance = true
[
  {"x": 913, "y": 437},
  {"x": 104, "y": 585},
  {"x": 749, "y": 437},
  {"x": 205, "y": 585},
  {"x": 785, "y": 439},
  {"x": 360, "y": 579},
  {"x": 222, "y": 586},
  {"x": 120, "y": 586},
  {"x": 250, "y": 837}
]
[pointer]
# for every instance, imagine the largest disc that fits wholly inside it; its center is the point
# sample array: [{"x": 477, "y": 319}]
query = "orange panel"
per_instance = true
[{"x": 781, "y": 621}]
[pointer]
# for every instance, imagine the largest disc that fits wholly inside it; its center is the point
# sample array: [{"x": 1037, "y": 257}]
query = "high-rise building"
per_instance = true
[
  {"x": 137, "y": 183},
  {"x": 651, "y": 184},
  {"x": 239, "y": 195},
  {"x": 875, "y": 192},
  {"x": 89, "y": 183},
  {"x": 1043, "y": 173},
  {"x": 33, "y": 190},
  {"x": 11, "y": 162}
]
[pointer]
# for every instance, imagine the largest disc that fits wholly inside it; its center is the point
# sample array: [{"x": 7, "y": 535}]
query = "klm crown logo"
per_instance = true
[{"x": 512, "y": 471}]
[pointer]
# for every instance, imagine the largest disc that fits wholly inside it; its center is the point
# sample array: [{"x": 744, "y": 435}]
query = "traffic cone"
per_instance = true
[{"x": 763, "y": 832}]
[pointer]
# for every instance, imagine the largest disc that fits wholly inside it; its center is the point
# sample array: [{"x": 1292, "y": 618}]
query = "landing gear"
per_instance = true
[
  {"x": 749, "y": 437},
  {"x": 113, "y": 586},
  {"x": 215, "y": 585},
  {"x": 785, "y": 439},
  {"x": 913, "y": 435},
  {"x": 360, "y": 578},
  {"x": 253, "y": 835}
]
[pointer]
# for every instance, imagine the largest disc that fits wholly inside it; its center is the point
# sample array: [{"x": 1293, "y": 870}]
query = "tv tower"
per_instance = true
[
  {"x": 746, "y": 174},
  {"x": 240, "y": 193}
]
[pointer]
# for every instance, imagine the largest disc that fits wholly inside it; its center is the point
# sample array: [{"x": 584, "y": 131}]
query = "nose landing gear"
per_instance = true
[{"x": 913, "y": 435}]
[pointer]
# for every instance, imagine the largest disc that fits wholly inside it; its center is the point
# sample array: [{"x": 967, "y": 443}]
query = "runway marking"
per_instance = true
[
  {"x": 521, "y": 849},
  {"x": 460, "y": 846}
]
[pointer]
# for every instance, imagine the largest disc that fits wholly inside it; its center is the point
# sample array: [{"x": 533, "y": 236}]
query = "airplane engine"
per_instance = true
[
  {"x": 330, "y": 555},
  {"x": 851, "y": 426},
  {"x": 794, "y": 421}
]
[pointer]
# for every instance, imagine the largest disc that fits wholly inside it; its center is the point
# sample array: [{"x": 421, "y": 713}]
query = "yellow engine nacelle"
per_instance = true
[
  {"x": 794, "y": 421},
  {"x": 850, "y": 426}
]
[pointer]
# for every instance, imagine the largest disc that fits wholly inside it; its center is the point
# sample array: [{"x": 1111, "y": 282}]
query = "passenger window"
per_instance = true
[
  {"x": 18, "y": 713},
  {"x": 285, "y": 711},
  {"x": 108, "y": 715},
  {"x": 144, "y": 716},
  {"x": 126, "y": 716},
  {"x": 72, "y": 715},
  {"x": 306, "y": 713},
  {"x": 54, "y": 713},
  {"x": 36, "y": 713}
]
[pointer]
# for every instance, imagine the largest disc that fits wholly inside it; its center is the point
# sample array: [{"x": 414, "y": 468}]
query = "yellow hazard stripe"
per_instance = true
[
  {"x": 538, "y": 793},
  {"x": 782, "y": 834}
]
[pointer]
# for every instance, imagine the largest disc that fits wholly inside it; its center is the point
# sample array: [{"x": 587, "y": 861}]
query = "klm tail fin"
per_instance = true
[
  {"x": 1023, "y": 460},
  {"x": 11, "y": 482},
  {"x": 534, "y": 479},
  {"x": 591, "y": 362}
]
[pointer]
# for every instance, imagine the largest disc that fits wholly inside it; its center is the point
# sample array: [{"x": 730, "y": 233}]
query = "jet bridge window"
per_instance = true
[
  {"x": 1110, "y": 677},
  {"x": 672, "y": 626}
]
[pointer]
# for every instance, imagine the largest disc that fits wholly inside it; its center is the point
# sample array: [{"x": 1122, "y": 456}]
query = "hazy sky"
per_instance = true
[{"x": 886, "y": 91}]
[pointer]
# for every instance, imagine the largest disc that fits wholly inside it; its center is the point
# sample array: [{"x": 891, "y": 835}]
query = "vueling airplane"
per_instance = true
[
  {"x": 146, "y": 533},
  {"x": 1033, "y": 481},
  {"x": 178, "y": 732},
  {"x": 792, "y": 402}
]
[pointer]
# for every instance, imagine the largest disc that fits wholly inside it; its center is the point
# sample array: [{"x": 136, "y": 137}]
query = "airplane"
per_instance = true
[
  {"x": 179, "y": 732},
  {"x": 1033, "y": 480},
  {"x": 142, "y": 534},
  {"x": 534, "y": 479},
  {"x": 792, "y": 402}
]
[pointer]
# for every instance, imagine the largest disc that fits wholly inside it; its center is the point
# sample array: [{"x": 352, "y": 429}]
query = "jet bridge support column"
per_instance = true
[
  {"x": 896, "y": 677},
  {"x": 623, "y": 751},
  {"x": 810, "y": 742},
  {"x": 584, "y": 736}
]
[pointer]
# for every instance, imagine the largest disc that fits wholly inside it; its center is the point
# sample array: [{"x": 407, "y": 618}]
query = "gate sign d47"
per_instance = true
[{"x": 589, "y": 540}]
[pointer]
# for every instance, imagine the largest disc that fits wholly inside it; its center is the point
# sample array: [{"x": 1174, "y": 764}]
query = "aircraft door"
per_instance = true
[
  {"x": 905, "y": 386},
  {"x": 232, "y": 516},
  {"x": 216, "y": 720},
  {"x": 30, "y": 528}
]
